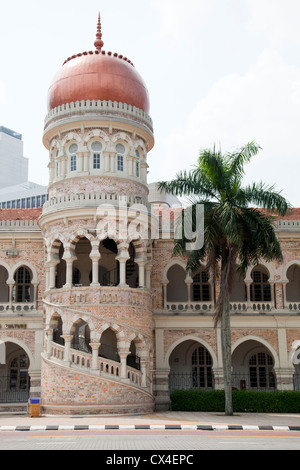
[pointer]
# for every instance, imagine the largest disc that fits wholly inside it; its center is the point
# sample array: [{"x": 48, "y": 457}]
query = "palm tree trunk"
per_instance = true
[{"x": 226, "y": 353}]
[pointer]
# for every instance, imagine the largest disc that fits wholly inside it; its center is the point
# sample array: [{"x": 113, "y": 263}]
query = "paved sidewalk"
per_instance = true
[{"x": 158, "y": 420}]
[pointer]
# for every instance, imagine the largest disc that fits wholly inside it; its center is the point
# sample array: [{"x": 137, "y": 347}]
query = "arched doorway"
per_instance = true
[
  {"x": 176, "y": 288},
  {"x": 81, "y": 337},
  {"x": 14, "y": 376},
  {"x": 191, "y": 366},
  {"x": 109, "y": 345},
  {"x": 109, "y": 266},
  {"x": 253, "y": 366}
]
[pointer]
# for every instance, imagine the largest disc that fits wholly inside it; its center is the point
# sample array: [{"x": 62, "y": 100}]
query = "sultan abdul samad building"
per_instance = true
[{"x": 96, "y": 314}]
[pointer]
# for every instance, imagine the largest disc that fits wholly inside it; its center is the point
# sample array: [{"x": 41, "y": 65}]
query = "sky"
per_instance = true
[{"x": 218, "y": 72}]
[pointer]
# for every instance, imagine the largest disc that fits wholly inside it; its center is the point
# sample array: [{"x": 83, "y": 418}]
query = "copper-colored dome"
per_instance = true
[{"x": 98, "y": 76}]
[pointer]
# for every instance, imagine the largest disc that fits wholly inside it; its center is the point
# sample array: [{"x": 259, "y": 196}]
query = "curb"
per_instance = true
[{"x": 166, "y": 427}]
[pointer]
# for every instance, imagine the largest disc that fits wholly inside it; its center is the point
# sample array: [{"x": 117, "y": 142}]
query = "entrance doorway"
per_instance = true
[{"x": 14, "y": 377}]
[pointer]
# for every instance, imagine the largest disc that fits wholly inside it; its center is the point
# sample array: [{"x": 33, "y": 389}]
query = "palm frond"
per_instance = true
[
  {"x": 236, "y": 161},
  {"x": 265, "y": 197}
]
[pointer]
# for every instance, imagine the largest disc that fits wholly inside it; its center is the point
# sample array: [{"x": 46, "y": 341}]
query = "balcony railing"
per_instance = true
[
  {"x": 208, "y": 307},
  {"x": 104, "y": 365},
  {"x": 17, "y": 307},
  {"x": 97, "y": 295}
]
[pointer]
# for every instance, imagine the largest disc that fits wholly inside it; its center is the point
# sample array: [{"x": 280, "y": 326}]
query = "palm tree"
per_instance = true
[{"x": 238, "y": 228}]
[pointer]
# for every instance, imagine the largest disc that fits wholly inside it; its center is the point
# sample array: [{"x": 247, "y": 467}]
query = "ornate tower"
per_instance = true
[{"x": 98, "y": 310}]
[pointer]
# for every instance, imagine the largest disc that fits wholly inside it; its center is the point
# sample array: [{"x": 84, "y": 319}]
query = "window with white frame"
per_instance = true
[
  {"x": 22, "y": 287},
  {"x": 202, "y": 368},
  {"x": 96, "y": 149},
  {"x": 260, "y": 289},
  {"x": 120, "y": 157},
  {"x": 73, "y": 157},
  {"x": 261, "y": 371},
  {"x": 201, "y": 288}
]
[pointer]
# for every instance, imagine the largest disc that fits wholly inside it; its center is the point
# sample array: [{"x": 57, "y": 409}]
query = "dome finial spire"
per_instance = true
[{"x": 99, "y": 43}]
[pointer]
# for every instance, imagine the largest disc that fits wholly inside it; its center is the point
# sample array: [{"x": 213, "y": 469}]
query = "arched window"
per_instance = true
[
  {"x": 176, "y": 288},
  {"x": 109, "y": 345},
  {"x": 137, "y": 166},
  {"x": 83, "y": 264},
  {"x": 96, "y": 149},
  {"x": 73, "y": 157},
  {"x": 260, "y": 290},
  {"x": 81, "y": 338},
  {"x": 293, "y": 286},
  {"x": 132, "y": 270},
  {"x": 261, "y": 371},
  {"x": 4, "y": 289},
  {"x": 120, "y": 157},
  {"x": 201, "y": 287},
  {"x": 22, "y": 287},
  {"x": 202, "y": 368},
  {"x": 109, "y": 266},
  {"x": 18, "y": 374},
  {"x": 133, "y": 359}
]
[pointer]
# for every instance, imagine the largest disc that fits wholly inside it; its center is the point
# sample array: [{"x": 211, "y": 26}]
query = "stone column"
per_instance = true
[
  {"x": 95, "y": 354},
  {"x": 35, "y": 295},
  {"x": 188, "y": 287},
  {"x": 95, "y": 272},
  {"x": 10, "y": 298},
  {"x": 80, "y": 157},
  {"x": 248, "y": 284},
  {"x": 141, "y": 265},
  {"x": 284, "y": 300},
  {"x": 51, "y": 167},
  {"x": 123, "y": 358},
  {"x": 95, "y": 257},
  {"x": 86, "y": 163},
  {"x": 52, "y": 274},
  {"x": 148, "y": 268},
  {"x": 49, "y": 337},
  {"x": 69, "y": 257},
  {"x": 64, "y": 166},
  {"x": 272, "y": 294},
  {"x": 165, "y": 294},
  {"x": 68, "y": 340},
  {"x": 122, "y": 258},
  {"x": 69, "y": 273},
  {"x": 144, "y": 373}
]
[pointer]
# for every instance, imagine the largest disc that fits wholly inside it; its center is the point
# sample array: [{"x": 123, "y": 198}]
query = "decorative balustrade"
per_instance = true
[
  {"x": 105, "y": 367},
  {"x": 293, "y": 307},
  {"x": 22, "y": 307},
  {"x": 288, "y": 225},
  {"x": 104, "y": 295},
  {"x": 206, "y": 307},
  {"x": 235, "y": 307},
  {"x": 100, "y": 108},
  {"x": 251, "y": 307},
  {"x": 92, "y": 199},
  {"x": 19, "y": 225}
]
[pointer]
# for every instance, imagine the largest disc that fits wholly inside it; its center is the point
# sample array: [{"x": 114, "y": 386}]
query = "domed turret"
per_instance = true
[{"x": 98, "y": 75}]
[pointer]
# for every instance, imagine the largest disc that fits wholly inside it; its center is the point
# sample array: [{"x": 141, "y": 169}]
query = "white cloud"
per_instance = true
[
  {"x": 278, "y": 20},
  {"x": 179, "y": 23},
  {"x": 261, "y": 105}
]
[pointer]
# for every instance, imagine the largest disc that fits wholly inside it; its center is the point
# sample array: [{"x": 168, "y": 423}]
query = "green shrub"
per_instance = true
[{"x": 242, "y": 400}]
